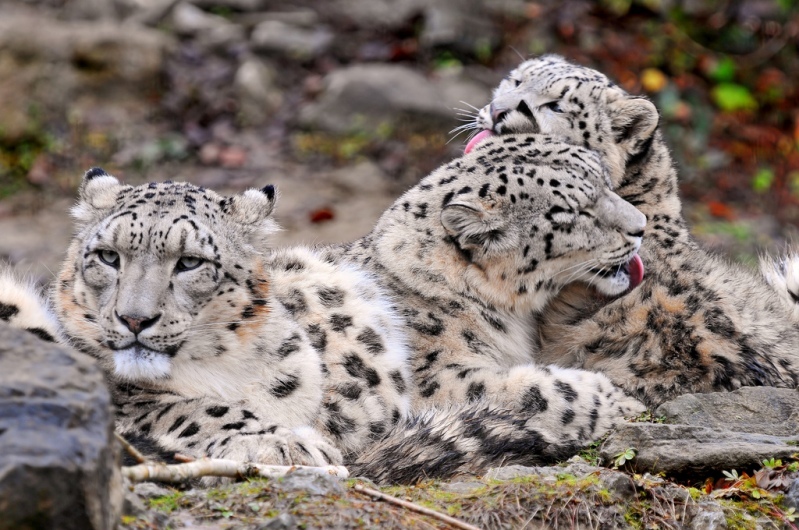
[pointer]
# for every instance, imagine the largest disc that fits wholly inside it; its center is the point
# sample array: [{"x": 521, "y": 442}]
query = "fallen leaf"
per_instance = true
[{"x": 322, "y": 215}]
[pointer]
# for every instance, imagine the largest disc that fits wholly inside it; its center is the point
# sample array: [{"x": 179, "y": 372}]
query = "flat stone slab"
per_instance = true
[
  {"x": 706, "y": 433},
  {"x": 58, "y": 457},
  {"x": 759, "y": 409}
]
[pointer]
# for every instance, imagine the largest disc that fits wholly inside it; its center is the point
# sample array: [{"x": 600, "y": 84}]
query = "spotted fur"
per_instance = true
[
  {"x": 215, "y": 348},
  {"x": 697, "y": 323},
  {"x": 471, "y": 254},
  {"x": 23, "y": 307}
]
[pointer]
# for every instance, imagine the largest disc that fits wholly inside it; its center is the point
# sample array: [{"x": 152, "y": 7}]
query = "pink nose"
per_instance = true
[{"x": 136, "y": 324}]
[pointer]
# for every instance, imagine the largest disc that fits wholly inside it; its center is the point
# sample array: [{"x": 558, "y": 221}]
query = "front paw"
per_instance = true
[{"x": 282, "y": 447}]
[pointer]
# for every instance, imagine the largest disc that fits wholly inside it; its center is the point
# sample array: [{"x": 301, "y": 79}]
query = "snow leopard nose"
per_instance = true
[
  {"x": 497, "y": 113},
  {"x": 136, "y": 324}
]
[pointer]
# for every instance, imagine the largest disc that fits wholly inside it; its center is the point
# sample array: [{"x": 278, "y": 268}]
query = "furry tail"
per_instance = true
[
  {"x": 465, "y": 439},
  {"x": 782, "y": 274},
  {"x": 23, "y": 307}
]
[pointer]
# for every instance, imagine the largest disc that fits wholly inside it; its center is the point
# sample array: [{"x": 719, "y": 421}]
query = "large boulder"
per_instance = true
[{"x": 58, "y": 459}]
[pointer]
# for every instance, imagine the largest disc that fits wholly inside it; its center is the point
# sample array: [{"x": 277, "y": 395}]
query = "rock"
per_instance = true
[
  {"x": 52, "y": 66},
  {"x": 707, "y": 515},
  {"x": 620, "y": 485},
  {"x": 284, "y": 521},
  {"x": 462, "y": 25},
  {"x": 381, "y": 14},
  {"x": 211, "y": 30},
  {"x": 259, "y": 97},
  {"x": 791, "y": 499},
  {"x": 759, "y": 409},
  {"x": 310, "y": 483},
  {"x": 462, "y": 487},
  {"x": 365, "y": 97},
  {"x": 511, "y": 472},
  {"x": 305, "y": 18},
  {"x": 280, "y": 38},
  {"x": 693, "y": 450},
  {"x": 58, "y": 457}
]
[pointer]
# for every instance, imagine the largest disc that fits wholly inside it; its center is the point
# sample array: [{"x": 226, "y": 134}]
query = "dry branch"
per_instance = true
[
  {"x": 457, "y": 523},
  {"x": 132, "y": 451},
  {"x": 219, "y": 468}
]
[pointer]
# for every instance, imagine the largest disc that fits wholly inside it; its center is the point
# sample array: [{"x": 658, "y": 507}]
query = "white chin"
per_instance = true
[
  {"x": 136, "y": 364},
  {"x": 613, "y": 285}
]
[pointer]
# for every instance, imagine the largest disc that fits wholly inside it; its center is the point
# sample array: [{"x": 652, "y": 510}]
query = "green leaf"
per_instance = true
[
  {"x": 730, "y": 97},
  {"x": 724, "y": 71},
  {"x": 762, "y": 180}
]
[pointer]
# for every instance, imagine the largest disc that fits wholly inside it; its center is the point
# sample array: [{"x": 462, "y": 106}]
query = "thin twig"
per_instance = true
[
  {"x": 207, "y": 467},
  {"x": 132, "y": 451},
  {"x": 415, "y": 507}
]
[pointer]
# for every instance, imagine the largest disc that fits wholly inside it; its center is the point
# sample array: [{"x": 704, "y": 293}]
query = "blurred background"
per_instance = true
[{"x": 343, "y": 104}]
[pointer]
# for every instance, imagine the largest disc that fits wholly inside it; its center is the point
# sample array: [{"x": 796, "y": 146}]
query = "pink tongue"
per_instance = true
[
  {"x": 636, "y": 271},
  {"x": 479, "y": 137}
]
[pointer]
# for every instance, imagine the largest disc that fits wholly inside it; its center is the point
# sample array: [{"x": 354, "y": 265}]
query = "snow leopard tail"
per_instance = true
[
  {"x": 23, "y": 306},
  {"x": 458, "y": 440},
  {"x": 782, "y": 273}
]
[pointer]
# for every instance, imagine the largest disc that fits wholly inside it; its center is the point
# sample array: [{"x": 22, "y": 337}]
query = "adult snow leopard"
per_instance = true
[
  {"x": 474, "y": 251},
  {"x": 697, "y": 323}
]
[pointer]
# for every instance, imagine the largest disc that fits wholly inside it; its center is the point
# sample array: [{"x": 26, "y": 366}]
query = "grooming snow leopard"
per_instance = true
[
  {"x": 696, "y": 323},
  {"x": 215, "y": 349},
  {"x": 471, "y": 254}
]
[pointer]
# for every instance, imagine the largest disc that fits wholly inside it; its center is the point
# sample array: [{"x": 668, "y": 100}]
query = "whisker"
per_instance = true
[{"x": 470, "y": 105}]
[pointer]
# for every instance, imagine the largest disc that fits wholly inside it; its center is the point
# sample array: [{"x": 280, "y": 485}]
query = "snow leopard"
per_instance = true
[{"x": 697, "y": 323}]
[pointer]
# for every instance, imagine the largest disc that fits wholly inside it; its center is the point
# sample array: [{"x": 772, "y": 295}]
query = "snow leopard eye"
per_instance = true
[
  {"x": 110, "y": 258},
  {"x": 187, "y": 263},
  {"x": 554, "y": 106}
]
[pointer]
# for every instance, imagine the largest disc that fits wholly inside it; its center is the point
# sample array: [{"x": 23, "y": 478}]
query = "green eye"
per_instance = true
[
  {"x": 110, "y": 258},
  {"x": 187, "y": 263}
]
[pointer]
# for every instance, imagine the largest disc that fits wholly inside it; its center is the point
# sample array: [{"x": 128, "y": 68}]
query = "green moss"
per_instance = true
[{"x": 167, "y": 503}]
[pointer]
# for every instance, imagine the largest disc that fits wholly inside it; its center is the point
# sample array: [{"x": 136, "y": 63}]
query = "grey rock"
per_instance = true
[
  {"x": 284, "y": 521},
  {"x": 304, "y": 18},
  {"x": 58, "y": 457},
  {"x": 707, "y": 515},
  {"x": 462, "y": 25},
  {"x": 462, "y": 487},
  {"x": 259, "y": 97},
  {"x": 693, "y": 450},
  {"x": 620, "y": 485},
  {"x": 382, "y": 14},
  {"x": 364, "y": 97},
  {"x": 311, "y": 483},
  {"x": 512, "y": 472},
  {"x": 190, "y": 20},
  {"x": 150, "y": 490},
  {"x": 280, "y": 38},
  {"x": 55, "y": 65},
  {"x": 759, "y": 409},
  {"x": 791, "y": 499}
]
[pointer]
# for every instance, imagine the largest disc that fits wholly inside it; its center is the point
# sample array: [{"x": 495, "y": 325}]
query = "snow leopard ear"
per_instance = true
[
  {"x": 253, "y": 210},
  {"x": 634, "y": 121},
  {"x": 97, "y": 193},
  {"x": 473, "y": 228}
]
